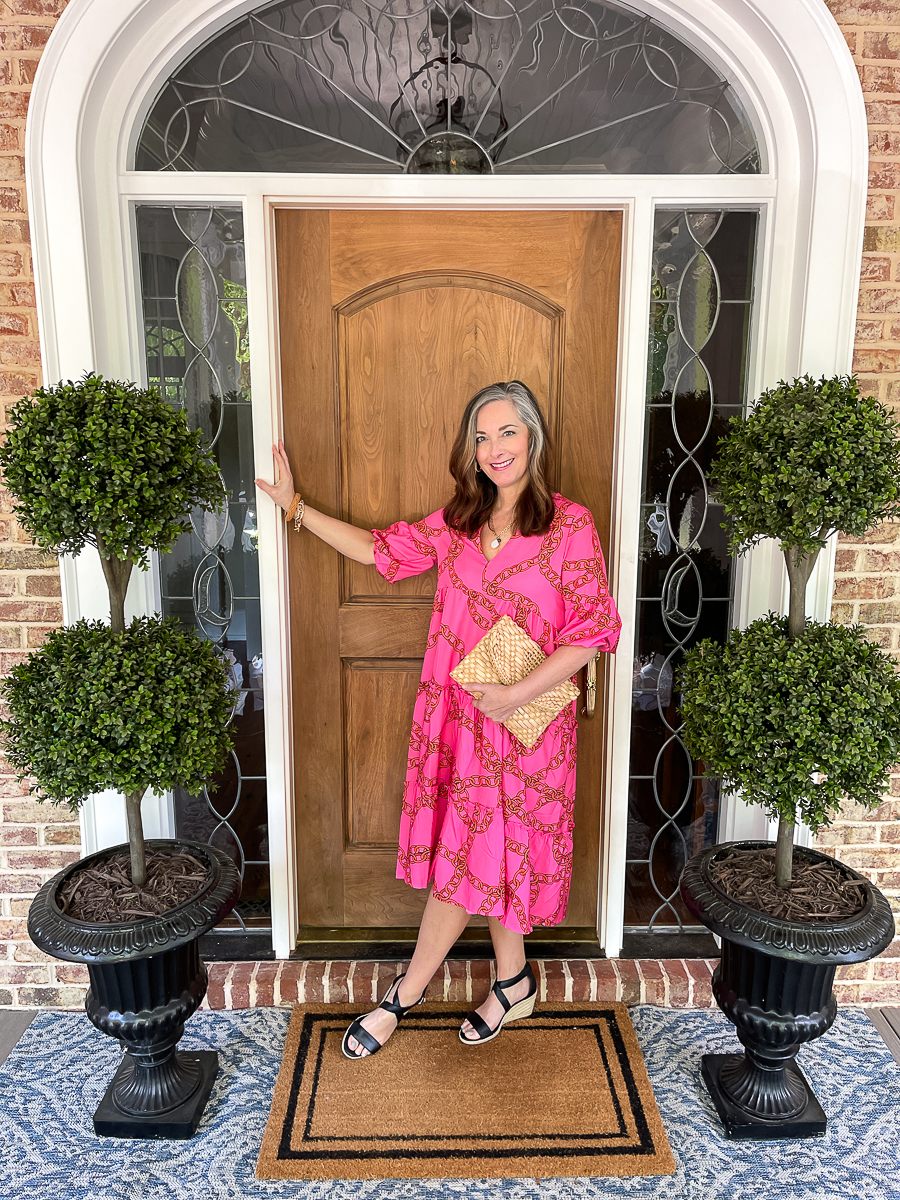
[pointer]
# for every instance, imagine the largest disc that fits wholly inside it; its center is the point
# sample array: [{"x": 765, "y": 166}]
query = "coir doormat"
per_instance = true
[{"x": 564, "y": 1092}]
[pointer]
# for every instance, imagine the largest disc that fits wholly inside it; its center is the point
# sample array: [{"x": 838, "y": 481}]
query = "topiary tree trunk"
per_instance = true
[
  {"x": 117, "y": 572},
  {"x": 136, "y": 837},
  {"x": 800, "y": 565}
]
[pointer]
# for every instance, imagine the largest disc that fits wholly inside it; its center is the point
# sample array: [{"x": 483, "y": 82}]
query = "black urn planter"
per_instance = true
[
  {"x": 774, "y": 983},
  {"x": 146, "y": 979}
]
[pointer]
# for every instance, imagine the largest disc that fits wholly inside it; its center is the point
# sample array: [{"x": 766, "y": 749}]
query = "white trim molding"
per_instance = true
[{"x": 100, "y": 72}]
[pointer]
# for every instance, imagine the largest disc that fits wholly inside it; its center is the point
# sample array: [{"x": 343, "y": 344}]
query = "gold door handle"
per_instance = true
[{"x": 590, "y": 688}]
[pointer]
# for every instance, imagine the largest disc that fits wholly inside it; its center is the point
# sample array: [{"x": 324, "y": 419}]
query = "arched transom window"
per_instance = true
[{"x": 444, "y": 87}]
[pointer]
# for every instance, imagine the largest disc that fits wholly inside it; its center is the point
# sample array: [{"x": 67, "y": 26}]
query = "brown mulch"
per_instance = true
[
  {"x": 105, "y": 894},
  {"x": 818, "y": 891}
]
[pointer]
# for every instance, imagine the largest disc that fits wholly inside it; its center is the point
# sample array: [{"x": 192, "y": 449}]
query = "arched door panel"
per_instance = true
[{"x": 405, "y": 348}]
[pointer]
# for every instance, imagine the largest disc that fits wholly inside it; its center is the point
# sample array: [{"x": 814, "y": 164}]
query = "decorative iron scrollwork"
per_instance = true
[
  {"x": 451, "y": 87},
  {"x": 195, "y": 309},
  {"x": 698, "y": 320}
]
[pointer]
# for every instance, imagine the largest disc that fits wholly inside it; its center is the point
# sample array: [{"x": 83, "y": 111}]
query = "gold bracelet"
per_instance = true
[
  {"x": 298, "y": 519},
  {"x": 293, "y": 508}
]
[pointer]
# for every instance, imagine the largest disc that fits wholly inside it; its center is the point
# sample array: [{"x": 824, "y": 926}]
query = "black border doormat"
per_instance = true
[{"x": 564, "y": 1092}]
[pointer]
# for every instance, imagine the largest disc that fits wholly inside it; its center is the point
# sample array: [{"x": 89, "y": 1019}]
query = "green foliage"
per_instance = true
[
  {"x": 101, "y": 458},
  {"x": 811, "y": 458},
  {"x": 766, "y": 710},
  {"x": 92, "y": 710}
]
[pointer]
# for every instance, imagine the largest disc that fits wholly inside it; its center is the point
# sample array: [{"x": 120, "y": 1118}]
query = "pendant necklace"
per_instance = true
[{"x": 496, "y": 542}]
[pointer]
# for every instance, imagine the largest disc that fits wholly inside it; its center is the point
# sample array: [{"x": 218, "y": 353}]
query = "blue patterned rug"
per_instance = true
[{"x": 53, "y": 1080}]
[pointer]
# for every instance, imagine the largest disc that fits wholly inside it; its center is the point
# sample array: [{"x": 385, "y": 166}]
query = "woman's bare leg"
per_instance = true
[
  {"x": 441, "y": 926},
  {"x": 509, "y": 951}
]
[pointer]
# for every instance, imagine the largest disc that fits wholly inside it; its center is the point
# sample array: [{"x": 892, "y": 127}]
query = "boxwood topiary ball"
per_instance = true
[{"x": 765, "y": 711}]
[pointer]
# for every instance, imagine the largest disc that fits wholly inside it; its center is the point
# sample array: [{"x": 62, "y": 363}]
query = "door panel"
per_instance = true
[
  {"x": 361, "y": 631},
  {"x": 459, "y": 331},
  {"x": 390, "y": 321},
  {"x": 378, "y": 695}
]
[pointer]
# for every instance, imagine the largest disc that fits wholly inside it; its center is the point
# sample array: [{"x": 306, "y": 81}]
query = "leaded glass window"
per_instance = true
[
  {"x": 197, "y": 353},
  {"x": 696, "y": 381},
  {"x": 448, "y": 87}
]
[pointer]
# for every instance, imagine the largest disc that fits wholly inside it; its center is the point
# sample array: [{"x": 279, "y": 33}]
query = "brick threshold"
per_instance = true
[
  {"x": 670, "y": 983},
  {"x": 681, "y": 983}
]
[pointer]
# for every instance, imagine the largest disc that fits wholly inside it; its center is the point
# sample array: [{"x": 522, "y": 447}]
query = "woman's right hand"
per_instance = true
[
  {"x": 282, "y": 490},
  {"x": 347, "y": 539}
]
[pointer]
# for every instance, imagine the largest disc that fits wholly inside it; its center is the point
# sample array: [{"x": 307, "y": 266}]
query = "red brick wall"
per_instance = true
[
  {"x": 867, "y": 572},
  {"x": 36, "y": 840}
]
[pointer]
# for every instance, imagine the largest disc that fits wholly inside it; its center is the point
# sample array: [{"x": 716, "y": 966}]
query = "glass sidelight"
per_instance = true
[
  {"x": 197, "y": 353},
  {"x": 699, "y": 331}
]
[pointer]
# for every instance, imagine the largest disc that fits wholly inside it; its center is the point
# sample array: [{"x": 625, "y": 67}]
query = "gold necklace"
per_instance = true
[{"x": 496, "y": 542}]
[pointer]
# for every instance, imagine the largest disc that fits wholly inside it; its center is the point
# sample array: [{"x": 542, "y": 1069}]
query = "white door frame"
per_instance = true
[{"x": 100, "y": 72}]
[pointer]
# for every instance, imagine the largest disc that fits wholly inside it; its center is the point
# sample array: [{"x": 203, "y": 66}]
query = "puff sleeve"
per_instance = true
[
  {"x": 590, "y": 614},
  {"x": 404, "y": 549}
]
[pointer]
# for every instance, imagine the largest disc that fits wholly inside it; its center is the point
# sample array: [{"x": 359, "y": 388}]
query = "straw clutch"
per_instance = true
[{"x": 505, "y": 655}]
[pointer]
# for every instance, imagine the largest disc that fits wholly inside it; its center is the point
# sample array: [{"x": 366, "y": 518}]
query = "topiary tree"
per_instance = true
[
  {"x": 796, "y": 714},
  {"x": 105, "y": 463}
]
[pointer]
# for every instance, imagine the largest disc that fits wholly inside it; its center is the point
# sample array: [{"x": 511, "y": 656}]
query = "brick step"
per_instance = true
[
  {"x": 668, "y": 982},
  {"x": 673, "y": 983}
]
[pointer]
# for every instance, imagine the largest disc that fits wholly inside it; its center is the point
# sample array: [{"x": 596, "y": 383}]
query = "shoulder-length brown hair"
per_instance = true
[{"x": 475, "y": 494}]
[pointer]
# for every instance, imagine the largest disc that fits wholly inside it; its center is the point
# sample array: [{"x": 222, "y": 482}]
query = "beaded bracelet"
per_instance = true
[
  {"x": 293, "y": 508},
  {"x": 298, "y": 519}
]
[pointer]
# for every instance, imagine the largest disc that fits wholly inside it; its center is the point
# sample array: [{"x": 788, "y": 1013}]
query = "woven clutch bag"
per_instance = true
[{"x": 505, "y": 655}]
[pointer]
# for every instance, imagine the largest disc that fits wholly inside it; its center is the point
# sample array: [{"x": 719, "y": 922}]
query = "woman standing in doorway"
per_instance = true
[{"x": 487, "y": 823}]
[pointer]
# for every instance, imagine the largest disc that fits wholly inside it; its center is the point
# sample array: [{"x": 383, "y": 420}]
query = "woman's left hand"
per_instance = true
[{"x": 497, "y": 701}]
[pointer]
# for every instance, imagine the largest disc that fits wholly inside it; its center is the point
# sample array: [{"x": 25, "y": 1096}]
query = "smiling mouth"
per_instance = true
[{"x": 501, "y": 466}]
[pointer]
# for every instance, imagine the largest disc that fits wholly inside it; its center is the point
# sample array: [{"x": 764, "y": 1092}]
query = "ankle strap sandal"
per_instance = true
[
  {"x": 364, "y": 1038},
  {"x": 511, "y": 1012}
]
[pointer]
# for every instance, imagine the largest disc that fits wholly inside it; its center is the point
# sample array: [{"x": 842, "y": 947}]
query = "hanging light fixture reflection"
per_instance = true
[
  {"x": 450, "y": 148},
  {"x": 446, "y": 153}
]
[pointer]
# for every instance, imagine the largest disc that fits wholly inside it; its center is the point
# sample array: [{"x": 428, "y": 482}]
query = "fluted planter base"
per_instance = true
[
  {"x": 146, "y": 981},
  {"x": 179, "y": 1123},
  {"x": 738, "y": 1122},
  {"x": 774, "y": 982}
]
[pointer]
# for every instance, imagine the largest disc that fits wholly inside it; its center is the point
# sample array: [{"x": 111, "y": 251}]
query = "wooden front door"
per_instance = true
[{"x": 389, "y": 323}]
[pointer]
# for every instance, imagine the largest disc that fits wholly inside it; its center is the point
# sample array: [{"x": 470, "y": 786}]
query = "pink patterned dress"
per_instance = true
[{"x": 489, "y": 821}]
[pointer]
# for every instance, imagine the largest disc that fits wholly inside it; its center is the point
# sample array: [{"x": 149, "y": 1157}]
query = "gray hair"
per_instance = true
[{"x": 527, "y": 410}]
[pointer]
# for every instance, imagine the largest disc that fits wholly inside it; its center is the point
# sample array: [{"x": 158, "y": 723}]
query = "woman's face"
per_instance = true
[{"x": 501, "y": 443}]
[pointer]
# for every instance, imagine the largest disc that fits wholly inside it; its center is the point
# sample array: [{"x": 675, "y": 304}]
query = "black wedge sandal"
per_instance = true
[
  {"x": 362, "y": 1035},
  {"x": 511, "y": 1012}
]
